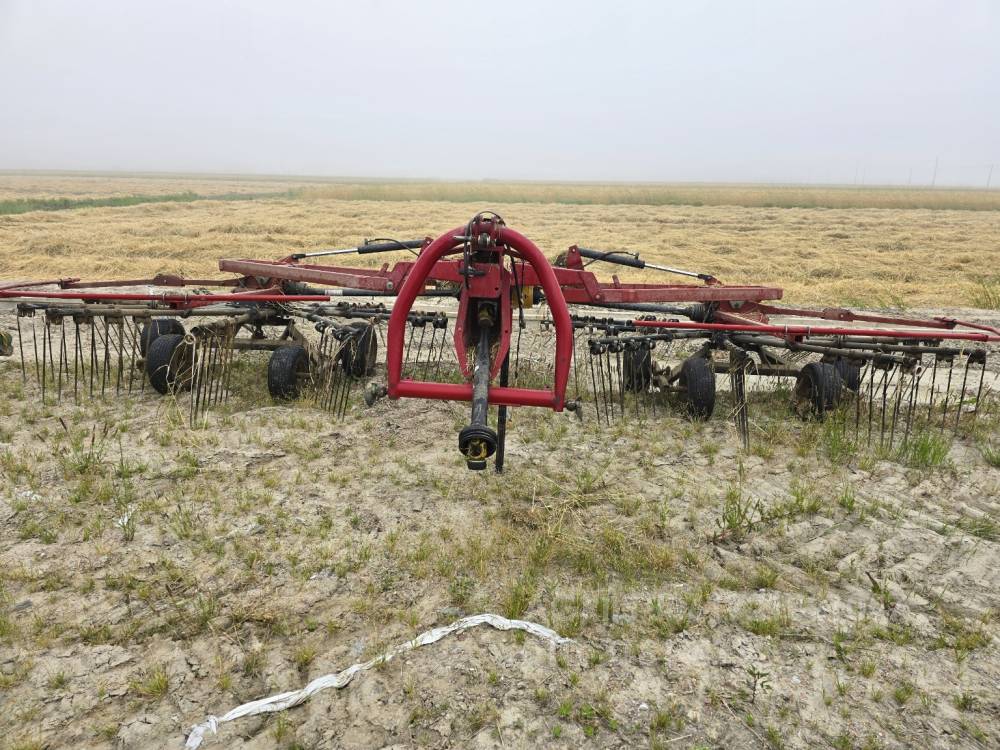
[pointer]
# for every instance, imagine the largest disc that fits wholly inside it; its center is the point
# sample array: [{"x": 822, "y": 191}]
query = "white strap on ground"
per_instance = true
[{"x": 281, "y": 701}]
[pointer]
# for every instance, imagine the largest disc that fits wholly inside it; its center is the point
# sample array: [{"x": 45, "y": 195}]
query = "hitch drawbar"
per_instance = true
[{"x": 478, "y": 441}]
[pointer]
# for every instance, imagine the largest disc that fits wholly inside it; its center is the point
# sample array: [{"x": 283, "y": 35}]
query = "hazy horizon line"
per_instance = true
[{"x": 350, "y": 179}]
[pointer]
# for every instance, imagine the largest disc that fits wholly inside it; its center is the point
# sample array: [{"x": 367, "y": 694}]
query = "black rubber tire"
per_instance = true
[
  {"x": 360, "y": 352},
  {"x": 286, "y": 369},
  {"x": 698, "y": 380},
  {"x": 160, "y": 364},
  {"x": 156, "y": 327},
  {"x": 637, "y": 369},
  {"x": 850, "y": 374},
  {"x": 817, "y": 389}
]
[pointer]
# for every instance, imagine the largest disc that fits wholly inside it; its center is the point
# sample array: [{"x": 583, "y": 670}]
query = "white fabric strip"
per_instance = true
[{"x": 282, "y": 701}]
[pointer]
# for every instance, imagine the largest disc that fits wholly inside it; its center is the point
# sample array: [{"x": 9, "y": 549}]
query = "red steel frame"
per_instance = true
[{"x": 797, "y": 332}]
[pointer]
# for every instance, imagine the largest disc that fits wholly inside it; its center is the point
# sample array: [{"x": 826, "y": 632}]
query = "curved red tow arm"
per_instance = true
[{"x": 415, "y": 282}]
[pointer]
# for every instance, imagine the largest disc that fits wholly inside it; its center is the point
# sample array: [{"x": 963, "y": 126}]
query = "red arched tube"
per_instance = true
[{"x": 415, "y": 282}]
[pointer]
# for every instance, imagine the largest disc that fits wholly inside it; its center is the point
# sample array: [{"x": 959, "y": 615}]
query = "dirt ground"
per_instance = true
[
  {"x": 802, "y": 594},
  {"x": 809, "y": 592}
]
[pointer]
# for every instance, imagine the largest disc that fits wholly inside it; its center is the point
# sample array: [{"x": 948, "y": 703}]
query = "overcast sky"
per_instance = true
[{"x": 657, "y": 90}]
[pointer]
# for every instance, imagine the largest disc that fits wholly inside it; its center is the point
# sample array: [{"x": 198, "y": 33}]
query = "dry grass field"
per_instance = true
[
  {"x": 876, "y": 257},
  {"x": 810, "y": 592}
]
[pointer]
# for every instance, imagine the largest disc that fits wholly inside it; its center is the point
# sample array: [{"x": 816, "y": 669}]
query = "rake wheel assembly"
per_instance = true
[
  {"x": 481, "y": 317},
  {"x": 168, "y": 363},
  {"x": 360, "y": 356},
  {"x": 817, "y": 389},
  {"x": 697, "y": 381},
  {"x": 154, "y": 328},
  {"x": 287, "y": 370}
]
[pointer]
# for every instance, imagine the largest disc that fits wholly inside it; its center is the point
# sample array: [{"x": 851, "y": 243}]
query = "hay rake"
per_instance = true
[{"x": 651, "y": 345}]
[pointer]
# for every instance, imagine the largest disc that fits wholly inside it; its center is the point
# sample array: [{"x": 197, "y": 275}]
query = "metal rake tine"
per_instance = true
[
  {"x": 420, "y": 343},
  {"x": 430, "y": 353},
  {"x": 598, "y": 368},
  {"x": 652, "y": 390},
  {"x": 930, "y": 402},
  {"x": 610, "y": 386},
  {"x": 857, "y": 401},
  {"x": 77, "y": 357},
  {"x": 638, "y": 396},
  {"x": 195, "y": 357},
  {"x": 216, "y": 367},
  {"x": 441, "y": 346},
  {"x": 93, "y": 353},
  {"x": 209, "y": 374},
  {"x": 333, "y": 377},
  {"x": 107, "y": 355},
  {"x": 52, "y": 356},
  {"x": 34, "y": 344},
  {"x": 133, "y": 330},
  {"x": 65, "y": 352},
  {"x": 45, "y": 346},
  {"x": 593, "y": 379},
  {"x": 347, "y": 396},
  {"x": 871, "y": 400},
  {"x": 895, "y": 408},
  {"x": 326, "y": 364},
  {"x": 44, "y": 340},
  {"x": 979, "y": 391},
  {"x": 332, "y": 372},
  {"x": 409, "y": 345},
  {"x": 914, "y": 387},
  {"x": 737, "y": 381},
  {"x": 20, "y": 346},
  {"x": 320, "y": 381},
  {"x": 333, "y": 397},
  {"x": 947, "y": 392},
  {"x": 342, "y": 384},
  {"x": 206, "y": 373},
  {"x": 205, "y": 378},
  {"x": 619, "y": 377},
  {"x": 576, "y": 350},
  {"x": 332, "y": 383},
  {"x": 604, "y": 392},
  {"x": 52, "y": 360},
  {"x": 961, "y": 398},
  {"x": 117, "y": 323},
  {"x": 214, "y": 364},
  {"x": 226, "y": 344},
  {"x": 198, "y": 378},
  {"x": 231, "y": 331},
  {"x": 226, "y": 357},
  {"x": 62, "y": 356},
  {"x": 885, "y": 398}
]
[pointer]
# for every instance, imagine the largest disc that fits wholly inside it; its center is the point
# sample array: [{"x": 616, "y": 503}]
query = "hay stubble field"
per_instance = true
[{"x": 899, "y": 257}]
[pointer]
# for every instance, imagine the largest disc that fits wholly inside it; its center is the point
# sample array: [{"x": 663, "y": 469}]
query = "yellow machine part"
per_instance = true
[{"x": 527, "y": 296}]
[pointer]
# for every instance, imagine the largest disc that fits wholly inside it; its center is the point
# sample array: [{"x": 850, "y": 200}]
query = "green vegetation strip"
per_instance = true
[
  {"x": 750, "y": 196},
  {"x": 25, "y": 205}
]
